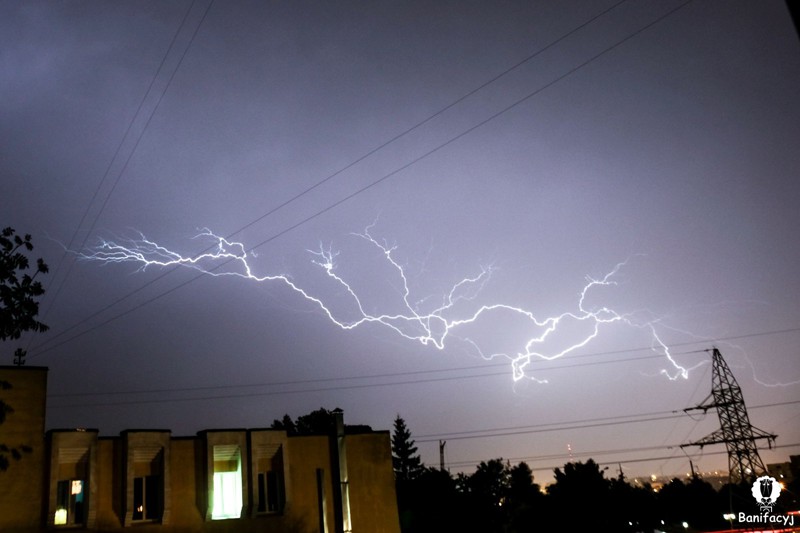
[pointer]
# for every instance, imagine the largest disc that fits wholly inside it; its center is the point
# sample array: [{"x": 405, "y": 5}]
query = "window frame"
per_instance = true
[
  {"x": 73, "y": 503},
  {"x": 227, "y": 482},
  {"x": 149, "y": 505}
]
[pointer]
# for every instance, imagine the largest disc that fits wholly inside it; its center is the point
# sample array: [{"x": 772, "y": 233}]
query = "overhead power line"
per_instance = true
[
  {"x": 494, "y": 432},
  {"x": 499, "y": 431},
  {"x": 429, "y": 118},
  {"x": 132, "y": 151},
  {"x": 323, "y": 180},
  {"x": 350, "y": 378},
  {"x": 549, "y": 367},
  {"x": 606, "y": 463},
  {"x": 397, "y": 170},
  {"x": 307, "y": 190},
  {"x": 593, "y": 454},
  {"x": 469, "y": 130},
  {"x": 581, "y": 424},
  {"x": 558, "y": 428}
]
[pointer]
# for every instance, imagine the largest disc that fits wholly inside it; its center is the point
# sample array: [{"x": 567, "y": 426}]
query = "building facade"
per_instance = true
[{"x": 218, "y": 480}]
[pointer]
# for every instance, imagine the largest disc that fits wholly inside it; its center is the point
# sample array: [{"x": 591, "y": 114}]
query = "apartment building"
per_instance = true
[{"x": 217, "y": 480}]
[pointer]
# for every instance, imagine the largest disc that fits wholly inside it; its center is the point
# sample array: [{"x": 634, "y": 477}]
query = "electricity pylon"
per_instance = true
[{"x": 735, "y": 430}]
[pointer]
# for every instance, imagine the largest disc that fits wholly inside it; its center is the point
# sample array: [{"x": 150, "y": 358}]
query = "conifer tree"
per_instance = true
[{"x": 405, "y": 459}]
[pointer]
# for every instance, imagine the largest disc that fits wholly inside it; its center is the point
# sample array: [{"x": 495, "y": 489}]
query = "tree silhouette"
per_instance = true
[
  {"x": 631, "y": 508},
  {"x": 485, "y": 492},
  {"x": 318, "y": 422},
  {"x": 490, "y": 482},
  {"x": 18, "y": 289},
  {"x": 408, "y": 468},
  {"x": 581, "y": 486},
  {"x": 432, "y": 504},
  {"x": 499, "y": 498},
  {"x": 18, "y": 310},
  {"x": 695, "y": 502},
  {"x": 405, "y": 459},
  {"x": 524, "y": 500},
  {"x": 286, "y": 424},
  {"x": 521, "y": 488}
]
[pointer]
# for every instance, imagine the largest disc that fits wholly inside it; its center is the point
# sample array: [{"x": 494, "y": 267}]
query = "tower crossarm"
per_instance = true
[
  {"x": 718, "y": 437},
  {"x": 705, "y": 405},
  {"x": 721, "y": 437}
]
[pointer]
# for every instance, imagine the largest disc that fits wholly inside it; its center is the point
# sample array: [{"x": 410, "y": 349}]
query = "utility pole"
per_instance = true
[
  {"x": 735, "y": 431},
  {"x": 441, "y": 454}
]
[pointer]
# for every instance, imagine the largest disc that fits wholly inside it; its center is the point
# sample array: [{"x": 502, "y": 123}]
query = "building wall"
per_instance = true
[
  {"x": 288, "y": 484},
  {"x": 22, "y": 484},
  {"x": 781, "y": 471},
  {"x": 373, "y": 501},
  {"x": 312, "y": 504},
  {"x": 108, "y": 472},
  {"x": 184, "y": 463}
]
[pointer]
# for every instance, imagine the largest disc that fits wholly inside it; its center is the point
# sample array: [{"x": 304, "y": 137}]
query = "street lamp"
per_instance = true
[{"x": 729, "y": 517}]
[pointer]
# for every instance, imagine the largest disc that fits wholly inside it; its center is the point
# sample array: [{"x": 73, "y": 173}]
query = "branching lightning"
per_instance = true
[{"x": 430, "y": 327}]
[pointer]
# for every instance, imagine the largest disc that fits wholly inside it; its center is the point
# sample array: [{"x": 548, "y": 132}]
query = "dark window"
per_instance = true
[
  {"x": 274, "y": 495},
  {"x": 153, "y": 497},
  {"x": 147, "y": 500},
  {"x": 262, "y": 493},
  {"x": 270, "y": 492},
  {"x": 138, "y": 498}
]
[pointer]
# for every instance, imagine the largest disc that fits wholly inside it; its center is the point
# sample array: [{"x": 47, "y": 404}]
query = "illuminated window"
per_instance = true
[
  {"x": 70, "y": 491},
  {"x": 227, "y": 495},
  {"x": 69, "y": 502}
]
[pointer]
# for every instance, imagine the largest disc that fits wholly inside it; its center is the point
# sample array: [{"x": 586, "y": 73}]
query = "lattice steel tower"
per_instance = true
[{"x": 735, "y": 430}]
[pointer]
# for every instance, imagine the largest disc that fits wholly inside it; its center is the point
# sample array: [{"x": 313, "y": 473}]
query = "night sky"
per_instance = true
[{"x": 661, "y": 135}]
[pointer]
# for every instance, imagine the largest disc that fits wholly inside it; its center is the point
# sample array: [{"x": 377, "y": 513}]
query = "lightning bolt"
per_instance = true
[{"x": 430, "y": 328}]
